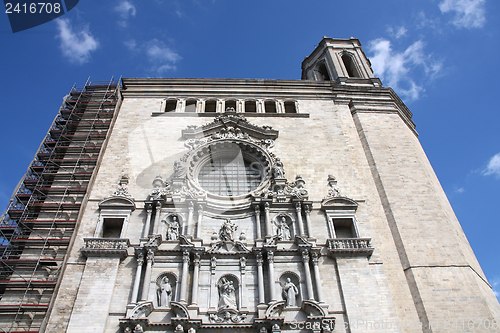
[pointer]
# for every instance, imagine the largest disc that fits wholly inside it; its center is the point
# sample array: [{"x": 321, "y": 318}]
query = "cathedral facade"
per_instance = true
[{"x": 255, "y": 206}]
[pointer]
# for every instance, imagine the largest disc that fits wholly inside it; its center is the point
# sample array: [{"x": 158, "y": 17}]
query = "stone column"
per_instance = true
[
  {"x": 307, "y": 271},
  {"x": 260, "y": 278},
  {"x": 260, "y": 106},
  {"x": 317, "y": 279},
  {"x": 189, "y": 223},
  {"x": 219, "y": 106},
  {"x": 270, "y": 260},
  {"x": 258, "y": 232},
  {"x": 280, "y": 106},
  {"x": 243, "y": 264},
  {"x": 198, "y": 225},
  {"x": 147, "y": 275},
  {"x": 138, "y": 272},
  {"x": 298, "y": 209},
  {"x": 268, "y": 219},
  {"x": 184, "y": 277},
  {"x": 307, "y": 211},
  {"x": 157, "y": 218},
  {"x": 196, "y": 273},
  {"x": 147, "y": 225}
]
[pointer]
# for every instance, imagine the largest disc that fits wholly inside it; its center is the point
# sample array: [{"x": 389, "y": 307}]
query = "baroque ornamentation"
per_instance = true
[
  {"x": 333, "y": 189},
  {"x": 160, "y": 189},
  {"x": 227, "y": 316}
]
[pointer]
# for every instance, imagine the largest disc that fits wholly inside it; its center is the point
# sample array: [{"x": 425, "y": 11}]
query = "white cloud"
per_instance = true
[
  {"x": 75, "y": 46},
  {"x": 394, "y": 67},
  {"x": 397, "y": 32},
  {"x": 460, "y": 190},
  {"x": 493, "y": 167},
  {"x": 130, "y": 44},
  {"x": 160, "y": 57},
  {"x": 466, "y": 13},
  {"x": 125, "y": 10}
]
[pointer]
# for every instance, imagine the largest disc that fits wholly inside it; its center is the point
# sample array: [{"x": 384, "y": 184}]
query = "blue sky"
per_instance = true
[{"x": 441, "y": 57}]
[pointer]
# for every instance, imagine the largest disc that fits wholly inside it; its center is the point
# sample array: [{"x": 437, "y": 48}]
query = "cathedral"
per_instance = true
[{"x": 231, "y": 205}]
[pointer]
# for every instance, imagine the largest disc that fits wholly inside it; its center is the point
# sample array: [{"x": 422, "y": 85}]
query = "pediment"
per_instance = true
[
  {"x": 339, "y": 203},
  {"x": 117, "y": 202},
  {"x": 230, "y": 124}
]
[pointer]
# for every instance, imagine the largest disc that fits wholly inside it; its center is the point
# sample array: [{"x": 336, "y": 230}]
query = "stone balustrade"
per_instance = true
[
  {"x": 105, "y": 247},
  {"x": 338, "y": 247}
]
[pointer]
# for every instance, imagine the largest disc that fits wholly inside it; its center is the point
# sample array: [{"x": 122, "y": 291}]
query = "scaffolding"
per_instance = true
[{"x": 37, "y": 227}]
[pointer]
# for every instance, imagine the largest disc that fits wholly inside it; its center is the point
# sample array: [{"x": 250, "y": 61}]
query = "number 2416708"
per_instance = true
[{"x": 33, "y": 8}]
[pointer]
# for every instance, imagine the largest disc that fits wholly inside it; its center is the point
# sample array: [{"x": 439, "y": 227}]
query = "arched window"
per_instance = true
[
  {"x": 211, "y": 106},
  {"x": 250, "y": 106},
  {"x": 190, "y": 105},
  {"x": 349, "y": 65},
  {"x": 290, "y": 107},
  {"x": 170, "y": 105},
  {"x": 230, "y": 104},
  {"x": 322, "y": 72},
  {"x": 270, "y": 106}
]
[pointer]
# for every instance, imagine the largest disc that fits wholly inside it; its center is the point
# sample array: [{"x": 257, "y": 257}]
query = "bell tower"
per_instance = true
[{"x": 340, "y": 60}]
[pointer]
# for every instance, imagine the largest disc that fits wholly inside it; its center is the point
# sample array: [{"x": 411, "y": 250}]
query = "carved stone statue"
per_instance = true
[
  {"x": 227, "y": 294},
  {"x": 290, "y": 292},
  {"x": 226, "y": 232},
  {"x": 138, "y": 329},
  {"x": 191, "y": 330},
  {"x": 164, "y": 292},
  {"x": 333, "y": 190},
  {"x": 278, "y": 171},
  {"x": 282, "y": 229},
  {"x": 173, "y": 228}
]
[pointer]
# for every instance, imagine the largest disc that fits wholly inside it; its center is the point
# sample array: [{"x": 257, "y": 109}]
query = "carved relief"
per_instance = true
[{"x": 227, "y": 316}]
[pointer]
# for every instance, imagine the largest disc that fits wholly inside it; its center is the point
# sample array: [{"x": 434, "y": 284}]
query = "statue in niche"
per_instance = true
[
  {"x": 226, "y": 232},
  {"x": 290, "y": 292},
  {"x": 278, "y": 171},
  {"x": 164, "y": 292},
  {"x": 227, "y": 294},
  {"x": 173, "y": 228},
  {"x": 282, "y": 229},
  {"x": 138, "y": 329}
]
